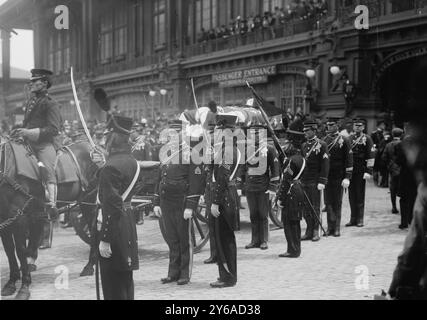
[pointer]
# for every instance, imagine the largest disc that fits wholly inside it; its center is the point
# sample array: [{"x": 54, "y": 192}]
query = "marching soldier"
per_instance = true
[
  {"x": 118, "y": 245},
  {"x": 363, "y": 162},
  {"x": 262, "y": 175},
  {"x": 341, "y": 167},
  {"x": 291, "y": 195},
  {"x": 177, "y": 197},
  {"x": 314, "y": 177},
  {"x": 225, "y": 206}
]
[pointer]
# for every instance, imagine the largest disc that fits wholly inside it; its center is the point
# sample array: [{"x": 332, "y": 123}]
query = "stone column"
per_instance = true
[{"x": 5, "y": 41}]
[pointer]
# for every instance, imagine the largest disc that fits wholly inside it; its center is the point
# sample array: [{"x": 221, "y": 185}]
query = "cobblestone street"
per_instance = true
[{"x": 328, "y": 269}]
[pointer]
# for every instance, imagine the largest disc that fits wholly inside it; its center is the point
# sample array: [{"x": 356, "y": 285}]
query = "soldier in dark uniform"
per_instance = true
[
  {"x": 363, "y": 162},
  {"x": 314, "y": 177},
  {"x": 41, "y": 129},
  {"x": 389, "y": 157},
  {"x": 225, "y": 205},
  {"x": 177, "y": 197},
  {"x": 208, "y": 167},
  {"x": 341, "y": 168},
  {"x": 377, "y": 137},
  {"x": 118, "y": 245},
  {"x": 291, "y": 195},
  {"x": 262, "y": 175}
]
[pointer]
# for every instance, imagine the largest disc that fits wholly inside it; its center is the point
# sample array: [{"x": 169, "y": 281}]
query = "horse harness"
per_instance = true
[{"x": 19, "y": 212}]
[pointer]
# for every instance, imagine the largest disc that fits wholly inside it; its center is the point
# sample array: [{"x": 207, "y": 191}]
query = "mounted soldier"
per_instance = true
[{"x": 41, "y": 128}]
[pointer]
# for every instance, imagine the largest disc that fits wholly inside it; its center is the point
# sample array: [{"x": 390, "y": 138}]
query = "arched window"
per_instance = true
[{"x": 293, "y": 93}]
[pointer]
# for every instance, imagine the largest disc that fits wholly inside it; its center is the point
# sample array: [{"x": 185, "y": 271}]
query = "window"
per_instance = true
[
  {"x": 270, "y": 5},
  {"x": 106, "y": 37},
  {"x": 159, "y": 22},
  {"x": 206, "y": 14},
  {"x": 294, "y": 87},
  {"x": 59, "y": 53},
  {"x": 120, "y": 33},
  {"x": 113, "y": 34},
  {"x": 399, "y": 6}
]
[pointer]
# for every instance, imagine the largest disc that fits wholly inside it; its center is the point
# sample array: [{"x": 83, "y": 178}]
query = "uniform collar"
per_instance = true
[{"x": 312, "y": 140}]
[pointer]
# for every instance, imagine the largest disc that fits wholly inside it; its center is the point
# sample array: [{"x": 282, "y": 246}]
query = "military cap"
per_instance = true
[
  {"x": 397, "y": 132},
  {"x": 359, "y": 121},
  {"x": 332, "y": 120},
  {"x": 120, "y": 124},
  {"x": 226, "y": 121},
  {"x": 42, "y": 74},
  {"x": 310, "y": 124},
  {"x": 175, "y": 124}
]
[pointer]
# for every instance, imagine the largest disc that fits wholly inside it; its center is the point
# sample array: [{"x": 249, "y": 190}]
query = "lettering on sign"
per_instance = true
[{"x": 239, "y": 78}]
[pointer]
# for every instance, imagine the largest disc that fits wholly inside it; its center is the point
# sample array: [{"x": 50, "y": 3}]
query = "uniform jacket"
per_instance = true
[
  {"x": 389, "y": 157},
  {"x": 224, "y": 189},
  {"x": 317, "y": 162},
  {"x": 407, "y": 183},
  {"x": 269, "y": 179},
  {"x": 340, "y": 157},
  {"x": 180, "y": 181},
  {"x": 41, "y": 111},
  {"x": 118, "y": 228},
  {"x": 291, "y": 193},
  {"x": 410, "y": 276},
  {"x": 363, "y": 154}
]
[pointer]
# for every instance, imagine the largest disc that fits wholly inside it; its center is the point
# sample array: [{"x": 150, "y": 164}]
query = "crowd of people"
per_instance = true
[{"x": 313, "y": 10}]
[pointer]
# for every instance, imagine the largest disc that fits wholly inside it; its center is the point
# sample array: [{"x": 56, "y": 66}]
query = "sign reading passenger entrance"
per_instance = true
[{"x": 239, "y": 78}]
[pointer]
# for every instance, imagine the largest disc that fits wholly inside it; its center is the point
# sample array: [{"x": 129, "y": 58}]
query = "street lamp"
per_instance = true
[
  {"x": 163, "y": 93},
  {"x": 335, "y": 70},
  {"x": 310, "y": 73},
  {"x": 152, "y": 94}
]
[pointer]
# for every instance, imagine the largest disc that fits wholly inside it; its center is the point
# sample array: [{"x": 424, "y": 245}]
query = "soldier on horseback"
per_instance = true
[{"x": 41, "y": 126}]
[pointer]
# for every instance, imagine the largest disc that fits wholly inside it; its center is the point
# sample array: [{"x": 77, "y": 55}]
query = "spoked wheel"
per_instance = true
[
  {"x": 200, "y": 228},
  {"x": 276, "y": 215},
  {"x": 81, "y": 225}
]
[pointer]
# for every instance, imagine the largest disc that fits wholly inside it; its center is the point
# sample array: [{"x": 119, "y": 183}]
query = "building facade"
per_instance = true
[{"x": 145, "y": 52}]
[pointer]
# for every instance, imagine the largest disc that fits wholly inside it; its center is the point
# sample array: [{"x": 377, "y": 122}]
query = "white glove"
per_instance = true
[
  {"x": 239, "y": 192},
  {"x": 202, "y": 199},
  {"x": 320, "y": 187},
  {"x": 271, "y": 194},
  {"x": 345, "y": 183},
  {"x": 188, "y": 214},
  {"x": 105, "y": 249},
  {"x": 157, "y": 211},
  {"x": 98, "y": 158},
  {"x": 367, "y": 176},
  {"x": 280, "y": 204},
  {"x": 215, "y": 210}
]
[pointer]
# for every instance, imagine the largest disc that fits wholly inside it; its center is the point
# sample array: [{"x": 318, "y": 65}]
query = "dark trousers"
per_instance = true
[
  {"x": 292, "y": 230},
  {"x": 393, "y": 185},
  {"x": 35, "y": 236},
  {"x": 407, "y": 209},
  {"x": 211, "y": 224},
  {"x": 116, "y": 285},
  {"x": 333, "y": 202},
  {"x": 226, "y": 249},
  {"x": 178, "y": 234},
  {"x": 356, "y": 195},
  {"x": 259, "y": 207},
  {"x": 312, "y": 223}
]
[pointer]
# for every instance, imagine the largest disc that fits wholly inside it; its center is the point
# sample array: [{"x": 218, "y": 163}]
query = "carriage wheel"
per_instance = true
[
  {"x": 81, "y": 226},
  {"x": 275, "y": 214}
]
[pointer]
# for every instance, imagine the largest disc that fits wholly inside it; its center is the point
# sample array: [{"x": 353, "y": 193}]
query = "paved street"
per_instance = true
[{"x": 326, "y": 270}]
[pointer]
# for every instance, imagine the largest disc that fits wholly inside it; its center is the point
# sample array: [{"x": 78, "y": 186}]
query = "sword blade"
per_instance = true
[{"x": 79, "y": 111}]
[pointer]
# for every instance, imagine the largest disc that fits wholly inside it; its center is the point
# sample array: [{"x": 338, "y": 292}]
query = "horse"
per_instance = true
[{"x": 22, "y": 207}]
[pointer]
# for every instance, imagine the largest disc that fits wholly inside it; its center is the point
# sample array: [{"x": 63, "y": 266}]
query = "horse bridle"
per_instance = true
[{"x": 19, "y": 188}]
